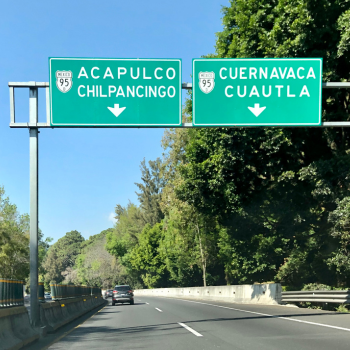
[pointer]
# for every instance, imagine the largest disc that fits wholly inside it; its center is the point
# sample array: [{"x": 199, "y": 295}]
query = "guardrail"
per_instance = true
[
  {"x": 318, "y": 296},
  {"x": 66, "y": 291},
  {"x": 11, "y": 292}
]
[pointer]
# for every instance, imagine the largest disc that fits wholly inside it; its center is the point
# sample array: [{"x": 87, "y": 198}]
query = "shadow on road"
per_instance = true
[{"x": 164, "y": 328}]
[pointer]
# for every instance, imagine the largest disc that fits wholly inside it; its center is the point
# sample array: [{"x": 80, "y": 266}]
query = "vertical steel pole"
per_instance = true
[{"x": 33, "y": 178}]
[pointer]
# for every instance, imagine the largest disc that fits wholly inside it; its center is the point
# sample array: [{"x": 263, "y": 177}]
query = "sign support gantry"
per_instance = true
[{"x": 33, "y": 125}]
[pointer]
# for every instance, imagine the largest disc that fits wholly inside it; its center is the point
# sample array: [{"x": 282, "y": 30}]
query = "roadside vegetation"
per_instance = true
[{"x": 232, "y": 205}]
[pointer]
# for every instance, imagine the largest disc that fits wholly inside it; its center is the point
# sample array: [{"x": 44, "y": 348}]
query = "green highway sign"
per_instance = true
[
  {"x": 115, "y": 92},
  {"x": 261, "y": 92}
]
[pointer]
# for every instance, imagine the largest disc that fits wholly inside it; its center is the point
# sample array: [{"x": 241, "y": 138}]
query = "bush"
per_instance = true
[{"x": 316, "y": 286}]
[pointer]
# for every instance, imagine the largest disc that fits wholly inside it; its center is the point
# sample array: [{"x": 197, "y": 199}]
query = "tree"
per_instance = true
[
  {"x": 124, "y": 238},
  {"x": 146, "y": 258},
  {"x": 191, "y": 230},
  {"x": 340, "y": 219},
  {"x": 254, "y": 180},
  {"x": 150, "y": 191},
  {"x": 95, "y": 266},
  {"x": 62, "y": 255},
  {"x": 14, "y": 240},
  {"x": 43, "y": 247},
  {"x": 127, "y": 229}
]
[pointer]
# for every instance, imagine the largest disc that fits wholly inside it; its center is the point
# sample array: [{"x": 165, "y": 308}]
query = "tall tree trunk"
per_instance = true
[{"x": 203, "y": 259}]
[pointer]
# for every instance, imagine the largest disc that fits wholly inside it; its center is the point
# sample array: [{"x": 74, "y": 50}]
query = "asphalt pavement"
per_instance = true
[{"x": 164, "y": 323}]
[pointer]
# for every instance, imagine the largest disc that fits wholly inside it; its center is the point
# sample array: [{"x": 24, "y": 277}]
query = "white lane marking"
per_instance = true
[
  {"x": 147, "y": 303},
  {"x": 158, "y": 309},
  {"x": 273, "y": 316},
  {"x": 190, "y": 329}
]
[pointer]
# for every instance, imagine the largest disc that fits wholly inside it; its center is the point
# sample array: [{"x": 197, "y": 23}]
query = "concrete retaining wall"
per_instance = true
[
  {"x": 58, "y": 313},
  {"x": 15, "y": 328},
  {"x": 269, "y": 293}
]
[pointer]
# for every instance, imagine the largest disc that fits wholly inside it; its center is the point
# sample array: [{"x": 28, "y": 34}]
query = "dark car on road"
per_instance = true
[
  {"x": 109, "y": 293},
  {"x": 123, "y": 294}
]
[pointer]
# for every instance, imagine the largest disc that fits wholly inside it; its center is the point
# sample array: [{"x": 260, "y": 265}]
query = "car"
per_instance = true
[
  {"x": 123, "y": 294},
  {"x": 109, "y": 293},
  {"x": 47, "y": 296}
]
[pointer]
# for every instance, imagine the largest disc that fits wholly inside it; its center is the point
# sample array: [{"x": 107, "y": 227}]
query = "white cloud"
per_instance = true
[{"x": 112, "y": 218}]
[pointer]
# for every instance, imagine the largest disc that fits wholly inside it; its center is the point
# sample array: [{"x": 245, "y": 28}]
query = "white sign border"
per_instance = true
[{"x": 116, "y": 125}]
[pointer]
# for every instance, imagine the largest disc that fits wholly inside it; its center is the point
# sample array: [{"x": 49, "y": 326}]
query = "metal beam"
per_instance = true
[
  {"x": 335, "y": 124},
  {"x": 28, "y": 84},
  {"x": 33, "y": 204},
  {"x": 332, "y": 85},
  {"x": 189, "y": 125},
  {"x": 185, "y": 86}
]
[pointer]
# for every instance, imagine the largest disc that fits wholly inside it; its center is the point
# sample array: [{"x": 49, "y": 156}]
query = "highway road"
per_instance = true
[{"x": 162, "y": 323}]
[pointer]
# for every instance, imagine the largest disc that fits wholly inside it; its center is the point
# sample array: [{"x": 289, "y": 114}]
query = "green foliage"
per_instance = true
[
  {"x": 179, "y": 250},
  {"x": 14, "y": 240},
  {"x": 123, "y": 238},
  {"x": 43, "y": 248},
  {"x": 234, "y": 205},
  {"x": 150, "y": 191},
  {"x": 273, "y": 191},
  {"x": 62, "y": 255},
  {"x": 95, "y": 266},
  {"x": 146, "y": 258},
  {"x": 340, "y": 220},
  {"x": 343, "y": 308},
  {"x": 316, "y": 286},
  {"x": 125, "y": 234}
]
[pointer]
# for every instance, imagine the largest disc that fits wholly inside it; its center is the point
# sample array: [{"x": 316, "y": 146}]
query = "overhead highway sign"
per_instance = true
[
  {"x": 257, "y": 92},
  {"x": 94, "y": 92}
]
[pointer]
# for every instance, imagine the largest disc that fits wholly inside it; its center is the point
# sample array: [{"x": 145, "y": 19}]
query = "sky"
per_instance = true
[{"x": 84, "y": 173}]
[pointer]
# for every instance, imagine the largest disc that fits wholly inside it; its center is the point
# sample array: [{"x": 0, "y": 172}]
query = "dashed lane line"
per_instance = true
[{"x": 190, "y": 329}]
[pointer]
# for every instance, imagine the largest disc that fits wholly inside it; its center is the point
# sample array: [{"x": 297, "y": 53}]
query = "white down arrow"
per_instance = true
[
  {"x": 256, "y": 110},
  {"x": 116, "y": 110}
]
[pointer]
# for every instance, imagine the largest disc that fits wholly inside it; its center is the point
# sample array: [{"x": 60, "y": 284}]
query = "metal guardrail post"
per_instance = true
[
  {"x": 7, "y": 297},
  {"x": 20, "y": 293},
  {"x": 2, "y": 296},
  {"x": 41, "y": 292},
  {"x": 53, "y": 290}
]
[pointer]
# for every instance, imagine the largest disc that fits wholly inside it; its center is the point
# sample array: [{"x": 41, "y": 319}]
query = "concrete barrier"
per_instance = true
[
  {"x": 15, "y": 329},
  {"x": 267, "y": 293},
  {"x": 58, "y": 313},
  {"x": 17, "y": 332}
]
